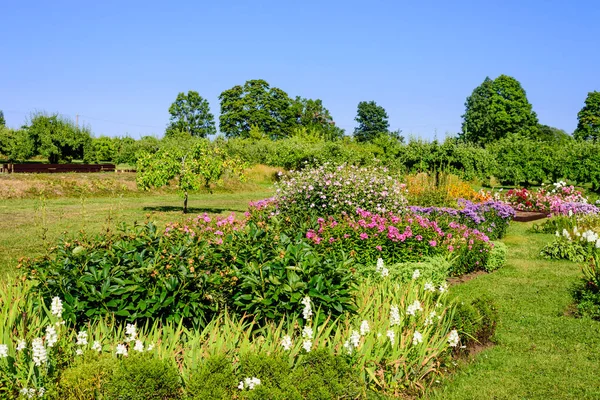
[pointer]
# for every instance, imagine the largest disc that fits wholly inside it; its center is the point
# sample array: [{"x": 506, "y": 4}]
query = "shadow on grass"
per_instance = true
[{"x": 191, "y": 210}]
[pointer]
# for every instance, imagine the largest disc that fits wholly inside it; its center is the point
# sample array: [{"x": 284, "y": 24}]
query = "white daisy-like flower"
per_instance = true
[
  {"x": 3, "y": 350},
  {"x": 131, "y": 332},
  {"x": 355, "y": 339},
  {"x": 21, "y": 345},
  {"x": 416, "y": 274},
  {"x": 96, "y": 346},
  {"x": 429, "y": 287}
]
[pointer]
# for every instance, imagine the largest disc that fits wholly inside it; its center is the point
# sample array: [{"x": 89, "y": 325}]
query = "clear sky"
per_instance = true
[{"x": 119, "y": 64}]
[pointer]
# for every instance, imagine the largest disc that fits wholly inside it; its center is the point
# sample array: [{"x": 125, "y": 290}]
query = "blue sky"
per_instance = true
[{"x": 119, "y": 64}]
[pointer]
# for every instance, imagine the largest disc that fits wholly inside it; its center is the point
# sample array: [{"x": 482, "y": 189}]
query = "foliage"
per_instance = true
[
  {"x": 372, "y": 121},
  {"x": 476, "y": 320},
  {"x": 588, "y": 126},
  {"x": 190, "y": 113},
  {"x": 2, "y": 120},
  {"x": 273, "y": 285},
  {"x": 16, "y": 145},
  {"x": 313, "y": 116},
  {"x": 136, "y": 275},
  {"x": 190, "y": 168},
  {"x": 432, "y": 269},
  {"x": 105, "y": 148},
  {"x": 59, "y": 139},
  {"x": 86, "y": 378},
  {"x": 140, "y": 377},
  {"x": 586, "y": 292},
  {"x": 497, "y": 257},
  {"x": 497, "y": 109},
  {"x": 213, "y": 378},
  {"x": 553, "y": 135},
  {"x": 256, "y": 104}
]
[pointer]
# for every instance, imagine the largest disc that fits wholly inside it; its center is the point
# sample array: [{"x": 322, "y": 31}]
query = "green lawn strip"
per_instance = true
[
  {"x": 25, "y": 223},
  {"x": 541, "y": 352}
]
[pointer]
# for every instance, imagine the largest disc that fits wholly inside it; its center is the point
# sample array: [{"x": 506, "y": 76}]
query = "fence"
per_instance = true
[{"x": 55, "y": 168}]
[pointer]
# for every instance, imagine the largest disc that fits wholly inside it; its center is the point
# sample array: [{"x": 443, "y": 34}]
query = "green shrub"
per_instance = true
[
  {"x": 320, "y": 375},
  {"x": 139, "y": 274},
  {"x": 562, "y": 249},
  {"x": 586, "y": 293},
  {"x": 142, "y": 377},
  {"x": 476, "y": 320},
  {"x": 497, "y": 257},
  {"x": 87, "y": 378},
  {"x": 212, "y": 380}
]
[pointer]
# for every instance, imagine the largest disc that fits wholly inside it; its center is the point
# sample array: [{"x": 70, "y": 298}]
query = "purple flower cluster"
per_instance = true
[
  {"x": 566, "y": 208},
  {"x": 491, "y": 216}
]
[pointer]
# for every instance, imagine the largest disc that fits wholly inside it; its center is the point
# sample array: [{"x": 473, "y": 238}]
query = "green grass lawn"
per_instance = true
[
  {"x": 541, "y": 351},
  {"x": 27, "y": 226}
]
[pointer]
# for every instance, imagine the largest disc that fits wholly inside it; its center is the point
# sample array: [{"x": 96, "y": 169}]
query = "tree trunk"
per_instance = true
[{"x": 185, "y": 199}]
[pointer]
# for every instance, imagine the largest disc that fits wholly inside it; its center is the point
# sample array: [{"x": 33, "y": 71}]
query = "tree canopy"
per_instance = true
[
  {"x": 496, "y": 109},
  {"x": 312, "y": 115},
  {"x": 2, "y": 120},
  {"x": 256, "y": 103},
  {"x": 58, "y": 138},
  {"x": 372, "y": 121},
  {"x": 190, "y": 113},
  {"x": 588, "y": 125}
]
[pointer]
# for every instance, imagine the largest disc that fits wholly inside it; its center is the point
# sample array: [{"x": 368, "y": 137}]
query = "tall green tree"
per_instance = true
[
  {"x": 59, "y": 139},
  {"x": 588, "y": 126},
  {"x": 256, "y": 104},
  {"x": 496, "y": 109},
  {"x": 372, "y": 121},
  {"x": 190, "y": 113},
  {"x": 312, "y": 115},
  {"x": 2, "y": 120}
]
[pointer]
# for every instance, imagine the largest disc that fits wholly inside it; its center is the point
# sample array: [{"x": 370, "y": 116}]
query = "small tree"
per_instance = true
[
  {"x": 372, "y": 121},
  {"x": 188, "y": 167},
  {"x": 190, "y": 113},
  {"x": 588, "y": 126},
  {"x": 2, "y": 120}
]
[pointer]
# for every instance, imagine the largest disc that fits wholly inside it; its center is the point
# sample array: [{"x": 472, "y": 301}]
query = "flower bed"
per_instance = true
[{"x": 407, "y": 237}]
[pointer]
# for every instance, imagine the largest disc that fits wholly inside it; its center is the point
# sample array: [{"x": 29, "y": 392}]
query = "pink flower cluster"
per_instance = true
[
  {"x": 415, "y": 234},
  {"x": 211, "y": 229}
]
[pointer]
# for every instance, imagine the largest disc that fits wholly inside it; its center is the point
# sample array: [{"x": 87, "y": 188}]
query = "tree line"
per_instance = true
[{"x": 496, "y": 110}]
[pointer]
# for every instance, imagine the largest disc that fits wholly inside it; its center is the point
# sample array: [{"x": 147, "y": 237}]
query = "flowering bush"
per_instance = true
[
  {"x": 491, "y": 216},
  {"x": 561, "y": 200},
  {"x": 331, "y": 190},
  {"x": 399, "y": 238}
]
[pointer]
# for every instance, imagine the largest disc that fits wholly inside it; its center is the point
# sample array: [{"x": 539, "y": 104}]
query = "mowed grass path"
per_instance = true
[
  {"x": 28, "y": 226},
  {"x": 541, "y": 351}
]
